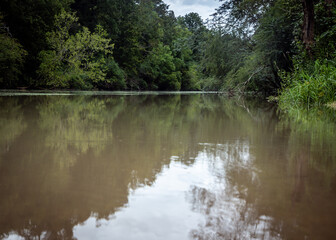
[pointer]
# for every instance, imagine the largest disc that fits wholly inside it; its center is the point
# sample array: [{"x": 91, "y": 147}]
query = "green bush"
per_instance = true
[
  {"x": 75, "y": 60},
  {"x": 159, "y": 69},
  {"x": 211, "y": 84},
  {"x": 191, "y": 78},
  {"x": 115, "y": 76},
  {"x": 310, "y": 86}
]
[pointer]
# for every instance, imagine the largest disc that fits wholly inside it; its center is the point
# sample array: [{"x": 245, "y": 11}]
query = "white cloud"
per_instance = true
[{"x": 203, "y": 7}]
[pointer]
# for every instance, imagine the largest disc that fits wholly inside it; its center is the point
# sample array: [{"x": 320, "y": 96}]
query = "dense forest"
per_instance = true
[{"x": 274, "y": 47}]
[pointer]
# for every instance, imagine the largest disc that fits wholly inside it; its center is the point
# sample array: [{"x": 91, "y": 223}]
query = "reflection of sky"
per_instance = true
[
  {"x": 156, "y": 212},
  {"x": 13, "y": 236},
  {"x": 199, "y": 201},
  {"x": 177, "y": 205}
]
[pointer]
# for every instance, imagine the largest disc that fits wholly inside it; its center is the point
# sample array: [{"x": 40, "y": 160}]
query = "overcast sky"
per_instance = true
[{"x": 203, "y": 7}]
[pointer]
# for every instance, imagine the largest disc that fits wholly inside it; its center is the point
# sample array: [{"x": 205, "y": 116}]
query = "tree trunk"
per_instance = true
[{"x": 308, "y": 25}]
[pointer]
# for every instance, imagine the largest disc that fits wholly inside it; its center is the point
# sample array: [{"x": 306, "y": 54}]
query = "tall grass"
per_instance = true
[{"x": 309, "y": 86}]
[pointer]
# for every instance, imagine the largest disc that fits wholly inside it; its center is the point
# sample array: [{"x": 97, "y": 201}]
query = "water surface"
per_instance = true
[{"x": 163, "y": 166}]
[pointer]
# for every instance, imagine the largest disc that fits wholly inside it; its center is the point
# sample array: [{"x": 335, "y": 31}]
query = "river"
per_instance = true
[{"x": 163, "y": 166}]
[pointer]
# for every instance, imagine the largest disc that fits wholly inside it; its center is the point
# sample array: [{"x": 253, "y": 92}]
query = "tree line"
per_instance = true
[
  {"x": 262, "y": 46},
  {"x": 105, "y": 44},
  {"x": 281, "y": 47}
]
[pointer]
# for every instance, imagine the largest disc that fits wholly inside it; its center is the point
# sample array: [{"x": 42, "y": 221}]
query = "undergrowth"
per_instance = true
[{"x": 309, "y": 86}]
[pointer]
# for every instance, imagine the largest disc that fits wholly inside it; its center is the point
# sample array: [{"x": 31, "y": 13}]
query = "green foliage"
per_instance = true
[
  {"x": 194, "y": 23},
  {"x": 66, "y": 51},
  {"x": 115, "y": 76},
  {"x": 12, "y": 56},
  {"x": 211, "y": 84},
  {"x": 246, "y": 60},
  {"x": 242, "y": 16},
  {"x": 242, "y": 49},
  {"x": 75, "y": 60},
  {"x": 184, "y": 59},
  {"x": 215, "y": 57},
  {"x": 312, "y": 82},
  {"x": 28, "y": 22},
  {"x": 159, "y": 69},
  {"x": 223, "y": 52},
  {"x": 149, "y": 26},
  {"x": 252, "y": 41},
  {"x": 310, "y": 86},
  {"x": 325, "y": 47},
  {"x": 191, "y": 79}
]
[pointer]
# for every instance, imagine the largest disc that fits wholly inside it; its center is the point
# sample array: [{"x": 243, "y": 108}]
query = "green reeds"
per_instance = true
[{"x": 309, "y": 86}]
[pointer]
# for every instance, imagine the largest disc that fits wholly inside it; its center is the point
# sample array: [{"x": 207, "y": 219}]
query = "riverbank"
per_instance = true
[{"x": 310, "y": 85}]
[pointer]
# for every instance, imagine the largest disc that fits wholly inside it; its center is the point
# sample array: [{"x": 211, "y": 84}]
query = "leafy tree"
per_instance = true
[
  {"x": 167, "y": 21},
  {"x": 325, "y": 31},
  {"x": 183, "y": 59},
  {"x": 28, "y": 22},
  {"x": 65, "y": 54},
  {"x": 149, "y": 25},
  {"x": 74, "y": 60},
  {"x": 273, "y": 46},
  {"x": 242, "y": 16},
  {"x": 194, "y": 23},
  {"x": 12, "y": 56},
  {"x": 245, "y": 46},
  {"x": 159, "y": 70}
]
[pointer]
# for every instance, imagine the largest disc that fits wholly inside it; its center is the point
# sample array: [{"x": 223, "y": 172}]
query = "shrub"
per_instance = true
[
  {"x": 115, "y": 76},
  {"x": 74, "y": 60},
  {"x": 159, "y": 69},
  {"x": 211, "y": 84},
  {"x": 310, "y": 86}
]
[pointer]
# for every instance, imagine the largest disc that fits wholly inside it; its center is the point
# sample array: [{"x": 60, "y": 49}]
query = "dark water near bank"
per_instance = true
[{"x": 196, "y": 166}]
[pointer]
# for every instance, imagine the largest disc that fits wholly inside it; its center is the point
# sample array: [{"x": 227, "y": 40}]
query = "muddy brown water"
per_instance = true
[{"x": 163, "y": 166}]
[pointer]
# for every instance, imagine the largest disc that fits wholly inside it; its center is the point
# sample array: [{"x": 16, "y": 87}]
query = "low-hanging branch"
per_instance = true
[{"x": 241, "y": 87}]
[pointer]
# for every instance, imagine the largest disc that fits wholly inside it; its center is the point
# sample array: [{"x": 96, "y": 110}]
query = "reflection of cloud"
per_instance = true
[
  {"x": 63, "y": 163},
  {"x": 227, "y": 216},
  {"x": 235, "y": 153},
  {"x": 225, "y": 206},
  {"x": 153, "y": 212},
  {"x": 203, "y": 7}
]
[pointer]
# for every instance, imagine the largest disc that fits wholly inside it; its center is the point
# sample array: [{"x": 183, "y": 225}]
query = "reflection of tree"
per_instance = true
[
  {"x": 72, "y": 156},
  {"x": 315, "y": 129},
  {"x": 78, "y": 156},
  {"x": 11, "y": 124},
  {"x": 300, "y": 174},
  {"x": 282, "y": 191},
  {"x": 228, "y": 207},
  {"x": 78, "y": 123}
]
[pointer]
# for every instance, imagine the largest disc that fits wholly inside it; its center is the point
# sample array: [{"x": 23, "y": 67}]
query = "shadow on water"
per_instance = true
[{"x": 64, "y": 159}]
